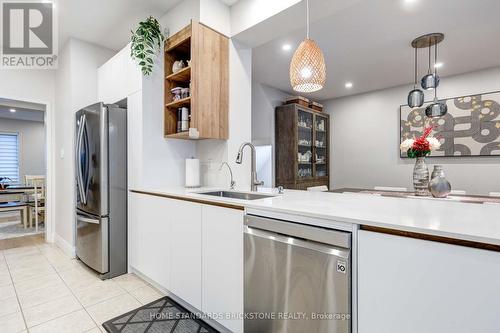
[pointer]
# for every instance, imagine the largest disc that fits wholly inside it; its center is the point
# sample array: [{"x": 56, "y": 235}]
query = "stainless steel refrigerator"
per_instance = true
[{"x": 101, "y": 186}]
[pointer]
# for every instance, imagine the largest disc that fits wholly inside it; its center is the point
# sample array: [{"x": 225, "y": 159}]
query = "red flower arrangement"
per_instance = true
[{"x": 421, "y": 146}]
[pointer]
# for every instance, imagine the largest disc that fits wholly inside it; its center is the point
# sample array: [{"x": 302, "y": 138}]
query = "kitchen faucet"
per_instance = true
[{"x": 239, "y": 159}]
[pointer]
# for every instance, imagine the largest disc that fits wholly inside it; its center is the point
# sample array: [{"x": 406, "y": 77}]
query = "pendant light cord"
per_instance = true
[
  {"x": 416, "y": 69},
  {"x": 429, "y": 69},
  {"x": 435, "y": 68},
  {"x": 307, "y": 19},
  {"x": 435, "y": 58}
]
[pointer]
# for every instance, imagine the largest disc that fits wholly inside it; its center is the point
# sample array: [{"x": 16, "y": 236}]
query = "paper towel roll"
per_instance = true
[{"x": 192, "y": 172}]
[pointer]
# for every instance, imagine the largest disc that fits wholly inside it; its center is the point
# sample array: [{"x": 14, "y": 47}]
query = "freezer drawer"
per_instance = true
[
  {"x": 293, "y": 284},
  {"x": 92, "y": 241}
]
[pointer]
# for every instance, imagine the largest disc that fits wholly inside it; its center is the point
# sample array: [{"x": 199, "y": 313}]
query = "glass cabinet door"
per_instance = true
[
  {"x": 305, "y": 144},
  {"x": 320, "y": 146}
]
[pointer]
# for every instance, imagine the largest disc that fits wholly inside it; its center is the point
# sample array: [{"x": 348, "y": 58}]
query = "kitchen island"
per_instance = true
[
  {"x": 450, "y": 219},
  {"x": 413, "y": 261}
]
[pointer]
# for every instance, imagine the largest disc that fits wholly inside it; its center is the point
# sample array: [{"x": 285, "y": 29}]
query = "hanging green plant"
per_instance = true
[{"x": 147, "y": 40}]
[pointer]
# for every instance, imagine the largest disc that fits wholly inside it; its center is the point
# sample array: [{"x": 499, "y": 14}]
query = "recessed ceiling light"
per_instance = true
[
  {"x": 438, "y": 65},
  {"x": 348, "y": 85},
  {"x": 286, "y": 47},
  {"x": 410, "y": 1},
  {"x": 12, "y": 110}
]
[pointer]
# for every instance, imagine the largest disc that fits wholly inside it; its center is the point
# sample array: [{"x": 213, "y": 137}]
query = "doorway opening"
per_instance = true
[{"x": 23, "y": 171}]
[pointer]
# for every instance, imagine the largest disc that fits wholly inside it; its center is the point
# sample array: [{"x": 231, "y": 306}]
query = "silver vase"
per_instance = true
[
  {"x": 439, "y": 186},
  {"x": 421, "y": 177}
]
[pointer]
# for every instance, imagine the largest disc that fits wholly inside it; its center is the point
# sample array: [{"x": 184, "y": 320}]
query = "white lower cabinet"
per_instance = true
[
  {"x": 193, "y": 250},
  {"x": 222, "y": 265},
  {"x": 414, "y": 286},
  {"x": 149, "y": 236},
  {"x": 185, "y": 250}
]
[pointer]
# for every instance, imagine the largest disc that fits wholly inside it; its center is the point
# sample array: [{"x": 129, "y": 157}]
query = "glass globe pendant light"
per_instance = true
[
  {"x": 416, "y": 96},
  {"x": 436, "y": 109},
  {"x": 307, "y": 68},
  {"x": 431, "y": 80}
]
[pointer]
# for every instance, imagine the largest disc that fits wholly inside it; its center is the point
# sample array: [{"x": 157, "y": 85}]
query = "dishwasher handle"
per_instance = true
[{"x": 321, "y": 235}]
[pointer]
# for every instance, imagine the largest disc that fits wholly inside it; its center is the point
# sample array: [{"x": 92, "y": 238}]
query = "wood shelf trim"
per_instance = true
[
  {"x": 184, "y": 75},
  {"x": 195, "y": 200},
  {"x": 432, "y": 238},
  {"x": 179, "y": 103}
]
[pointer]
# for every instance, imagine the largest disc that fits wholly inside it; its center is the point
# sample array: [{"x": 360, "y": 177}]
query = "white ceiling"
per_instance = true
[
  {"x": 368, "y": 43},
  {"x": 229, "y": 2},
  {"x": 106, "y": 23}
]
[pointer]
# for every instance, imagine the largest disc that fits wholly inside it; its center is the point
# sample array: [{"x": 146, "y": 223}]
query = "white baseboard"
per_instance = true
[{"x": 66, "y": 247}]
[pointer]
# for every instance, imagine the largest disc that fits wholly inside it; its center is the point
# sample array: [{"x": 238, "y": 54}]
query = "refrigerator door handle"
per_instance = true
[
  {"x": 85, "y": 176},
  {"x": 79, "y": 176}
]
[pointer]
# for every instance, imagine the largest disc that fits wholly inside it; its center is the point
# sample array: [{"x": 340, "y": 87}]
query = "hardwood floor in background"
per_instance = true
[{"x": 22, "y": 241}]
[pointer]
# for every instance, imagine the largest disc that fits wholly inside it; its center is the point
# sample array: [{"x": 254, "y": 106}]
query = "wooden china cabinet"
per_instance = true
[{"x": 302, "y": 147}]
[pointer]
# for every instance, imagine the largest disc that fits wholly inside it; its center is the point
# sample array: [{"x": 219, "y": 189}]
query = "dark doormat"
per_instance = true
[{"x": 161, "y": 316}]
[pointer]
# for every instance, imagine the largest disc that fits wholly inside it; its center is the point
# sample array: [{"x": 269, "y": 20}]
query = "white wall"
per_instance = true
[
  {"x": 180, "y": 16},
  {"x": 32, "y": 148},
  {"x": 365, "y": 139},
  {"x": 76, "y": 88},
  {"x": 264, "y": 100},
  {"x": 28, "y": 85},
  {"x": 216, "y": 15}
]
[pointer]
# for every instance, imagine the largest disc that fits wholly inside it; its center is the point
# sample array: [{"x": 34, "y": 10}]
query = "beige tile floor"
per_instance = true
[{"x": 43, "y": 290}]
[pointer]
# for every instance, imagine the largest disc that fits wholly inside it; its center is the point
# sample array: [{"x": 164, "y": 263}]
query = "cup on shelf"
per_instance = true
[
  {"x": 184, "y": 119},
  {"x": 184, "y": 92}
]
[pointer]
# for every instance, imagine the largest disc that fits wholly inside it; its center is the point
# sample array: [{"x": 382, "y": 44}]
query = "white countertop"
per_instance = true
[{"x": 458, "y": 220}]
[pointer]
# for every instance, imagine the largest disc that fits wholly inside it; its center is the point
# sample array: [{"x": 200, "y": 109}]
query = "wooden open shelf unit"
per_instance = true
[{"x": 207, "y": 77}]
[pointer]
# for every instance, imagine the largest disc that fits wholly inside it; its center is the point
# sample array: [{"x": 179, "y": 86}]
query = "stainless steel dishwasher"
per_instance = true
[{"x": 297, "y": 278}]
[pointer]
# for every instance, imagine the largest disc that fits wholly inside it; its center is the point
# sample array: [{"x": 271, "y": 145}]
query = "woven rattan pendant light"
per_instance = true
[{"x": 307, "y": 69}]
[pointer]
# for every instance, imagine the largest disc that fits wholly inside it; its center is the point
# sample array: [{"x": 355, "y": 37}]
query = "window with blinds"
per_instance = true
[{"x": 9, "y": 156}]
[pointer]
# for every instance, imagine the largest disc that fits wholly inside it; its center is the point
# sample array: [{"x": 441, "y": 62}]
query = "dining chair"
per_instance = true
[
  {"x": 32, "y": 180},
  {"x": 322, "y": 188},
  {"x": 36, "y": 201},
  {"x": 392, "y": 189}
]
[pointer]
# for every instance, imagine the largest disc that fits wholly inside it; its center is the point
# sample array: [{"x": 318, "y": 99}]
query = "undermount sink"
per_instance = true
[{"x": 237, "y": 195}]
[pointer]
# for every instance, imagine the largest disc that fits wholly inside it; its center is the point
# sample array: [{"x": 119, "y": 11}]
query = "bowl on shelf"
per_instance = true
[{"x": 177, "y": 66}]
